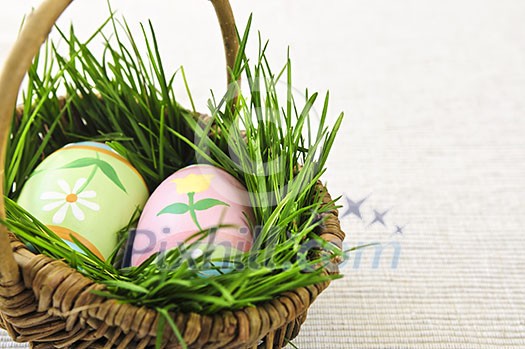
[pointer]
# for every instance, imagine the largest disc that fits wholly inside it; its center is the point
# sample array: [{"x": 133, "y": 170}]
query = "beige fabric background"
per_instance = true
[{"x": 434, "y": 92}]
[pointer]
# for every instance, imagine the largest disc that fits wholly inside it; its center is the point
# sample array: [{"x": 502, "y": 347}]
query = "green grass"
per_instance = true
[{"x": 126, "y": 99}]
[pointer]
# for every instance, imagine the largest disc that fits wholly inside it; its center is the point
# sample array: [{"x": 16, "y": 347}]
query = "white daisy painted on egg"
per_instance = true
[{"x": 70, "y": 199}]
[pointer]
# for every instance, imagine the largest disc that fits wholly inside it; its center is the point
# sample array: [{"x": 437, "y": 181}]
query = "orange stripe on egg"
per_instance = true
[{"x": 65, "y": 234}]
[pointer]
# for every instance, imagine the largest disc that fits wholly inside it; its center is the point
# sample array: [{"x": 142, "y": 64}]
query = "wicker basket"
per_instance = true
[{"x": 50, "y": 305}]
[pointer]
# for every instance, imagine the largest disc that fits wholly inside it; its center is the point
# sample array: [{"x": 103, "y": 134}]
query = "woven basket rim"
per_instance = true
[{"x": 39, "y": 281}]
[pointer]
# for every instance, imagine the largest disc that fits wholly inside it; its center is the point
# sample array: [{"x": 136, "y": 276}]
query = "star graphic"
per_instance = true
[
  {"x": 353, "y": 207},
  {"x": 399, "y": 230},
  {"x": 379, "y": 217}
]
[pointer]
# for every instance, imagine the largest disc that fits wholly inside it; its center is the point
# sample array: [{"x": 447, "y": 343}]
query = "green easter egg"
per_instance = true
[{"x": 86, "y": 190}]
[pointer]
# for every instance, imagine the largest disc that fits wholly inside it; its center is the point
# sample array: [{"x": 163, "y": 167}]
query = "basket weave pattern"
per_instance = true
[{"x": 50, "y": 305}]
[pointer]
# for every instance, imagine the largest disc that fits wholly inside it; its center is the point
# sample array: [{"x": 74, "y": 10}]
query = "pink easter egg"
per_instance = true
[{"x": 194, "y": 199}]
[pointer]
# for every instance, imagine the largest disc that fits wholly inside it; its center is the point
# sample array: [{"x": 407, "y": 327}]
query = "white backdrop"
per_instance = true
[{"x": 434, "y": 95}]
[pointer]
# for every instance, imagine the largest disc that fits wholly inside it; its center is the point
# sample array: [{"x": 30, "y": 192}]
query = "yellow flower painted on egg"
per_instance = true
[{"x": 193, "y": 183}]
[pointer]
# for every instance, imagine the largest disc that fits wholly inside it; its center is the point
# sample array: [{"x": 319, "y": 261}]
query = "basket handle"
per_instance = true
[{"x": 36, "y": 29}]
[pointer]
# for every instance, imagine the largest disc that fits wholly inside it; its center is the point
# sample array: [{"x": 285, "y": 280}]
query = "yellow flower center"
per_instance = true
[{"x": 71, "y": 198}]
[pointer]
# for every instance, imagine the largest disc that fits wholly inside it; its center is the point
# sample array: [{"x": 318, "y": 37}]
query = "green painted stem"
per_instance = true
[
  {"x": 191, "y": 204},
  {"x": 89, "y": 179}
]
